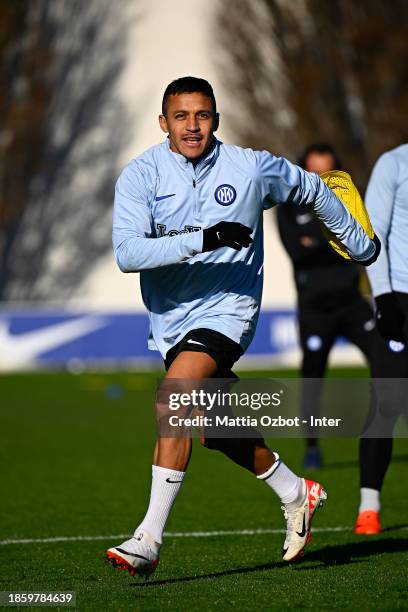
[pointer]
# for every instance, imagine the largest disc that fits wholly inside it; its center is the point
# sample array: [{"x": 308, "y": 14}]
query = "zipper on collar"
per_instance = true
[{"x": 195, "y": 199}]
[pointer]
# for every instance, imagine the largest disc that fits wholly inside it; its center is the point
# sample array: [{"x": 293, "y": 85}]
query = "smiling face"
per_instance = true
[{"x": 190, "y": 122}]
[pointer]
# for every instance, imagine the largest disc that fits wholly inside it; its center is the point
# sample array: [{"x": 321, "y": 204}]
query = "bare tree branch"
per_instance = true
[
  {"x": 57, "y": 190},
  {"x": 309, "y": 70}
]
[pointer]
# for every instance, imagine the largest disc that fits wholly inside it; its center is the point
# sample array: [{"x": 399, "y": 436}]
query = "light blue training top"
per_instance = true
[
  {"x": 162, "y": 204},
  {"x": 387, "y": 203}
]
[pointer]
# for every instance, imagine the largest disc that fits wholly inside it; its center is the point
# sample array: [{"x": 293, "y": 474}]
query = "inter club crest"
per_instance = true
[{"x": 225, "y": 195}]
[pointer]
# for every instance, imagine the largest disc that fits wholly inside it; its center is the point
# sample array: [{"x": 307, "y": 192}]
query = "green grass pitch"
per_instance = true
[{"x": 75, "y": 458}]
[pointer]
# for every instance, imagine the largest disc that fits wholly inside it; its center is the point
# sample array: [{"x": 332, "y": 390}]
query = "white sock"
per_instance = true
[
  {"x": 165, "y": 487},
  {"x": 369, "y": 500},
  {"x": 290, "y": 488}
]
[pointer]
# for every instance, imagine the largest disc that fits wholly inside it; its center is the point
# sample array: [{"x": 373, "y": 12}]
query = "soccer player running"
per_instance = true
[
  {"x": 188, "y": 216},
  {"x": 387, "y": 203},
  {"x": 329, "y": 300}
]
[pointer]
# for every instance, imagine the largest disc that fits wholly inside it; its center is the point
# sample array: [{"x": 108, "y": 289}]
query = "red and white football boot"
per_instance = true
[
  {"x": 299, "y": 520},
  {"x": 138, "y": 555}
]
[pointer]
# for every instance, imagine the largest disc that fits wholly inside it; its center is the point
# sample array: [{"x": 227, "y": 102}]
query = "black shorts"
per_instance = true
[{"x": 222, "y": 349}]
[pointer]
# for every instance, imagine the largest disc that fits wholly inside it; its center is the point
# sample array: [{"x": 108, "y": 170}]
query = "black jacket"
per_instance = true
[{"x": 320, "y": 273}]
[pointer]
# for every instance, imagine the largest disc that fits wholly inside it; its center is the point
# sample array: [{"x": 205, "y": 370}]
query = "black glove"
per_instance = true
[
  {"x": 226, "y": 233},
  {"x": 390, "y": 317},
  {"x": 374, "y": 257}
]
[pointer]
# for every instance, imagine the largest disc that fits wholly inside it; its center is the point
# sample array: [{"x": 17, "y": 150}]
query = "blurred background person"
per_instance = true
[
  {"x": 387, "y": 204},
  {"x": 329, "y": 300}
]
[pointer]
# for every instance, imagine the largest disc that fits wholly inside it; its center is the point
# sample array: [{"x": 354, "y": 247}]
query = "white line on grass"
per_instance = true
[{"x": 173, "y": 534}]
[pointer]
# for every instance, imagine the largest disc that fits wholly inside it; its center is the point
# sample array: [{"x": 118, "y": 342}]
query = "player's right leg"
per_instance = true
[{"x": 140, "y": 554}]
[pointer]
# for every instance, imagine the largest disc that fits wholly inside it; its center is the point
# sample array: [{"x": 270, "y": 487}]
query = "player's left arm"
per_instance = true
[{"x": 281, "y": 182}]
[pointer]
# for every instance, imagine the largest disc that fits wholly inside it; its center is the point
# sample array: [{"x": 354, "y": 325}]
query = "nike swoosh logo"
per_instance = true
[
  {"x": 25, "y": 347},
  {"x": 195, "y": 342},
  {"x": 170, "y": 195},
  {"x": 173, "y": 481},
  {"x": 125, "y": 552},
  {"x": 303, "y": 532}
]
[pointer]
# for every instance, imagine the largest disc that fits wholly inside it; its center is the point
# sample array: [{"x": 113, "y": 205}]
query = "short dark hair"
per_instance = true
[
  {"x": 322, "y": 148},
  {"x": 188, "y": 84}
]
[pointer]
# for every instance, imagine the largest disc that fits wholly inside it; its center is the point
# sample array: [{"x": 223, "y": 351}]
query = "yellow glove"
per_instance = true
[{"x": 340, "y": 182}]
